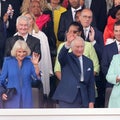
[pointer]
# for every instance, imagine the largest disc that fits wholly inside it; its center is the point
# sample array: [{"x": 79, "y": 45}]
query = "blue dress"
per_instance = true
[{"x": 20, "y": 78}]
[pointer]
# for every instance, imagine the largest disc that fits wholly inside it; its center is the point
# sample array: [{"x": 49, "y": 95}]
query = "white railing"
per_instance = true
[{"x": 60, "y": 114}]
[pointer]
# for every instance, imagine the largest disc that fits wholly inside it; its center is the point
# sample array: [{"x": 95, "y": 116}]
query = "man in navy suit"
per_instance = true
[
  {"x": 109, "y": 51},
  {"x": 76, "y": 88},
  {"x": 99, "y": 9}
]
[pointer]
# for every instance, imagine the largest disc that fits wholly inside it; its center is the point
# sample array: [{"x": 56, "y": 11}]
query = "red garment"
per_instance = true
[
  {"x": 42, "y": 20},
  {"x": 108, "y": 32},
  {"x": 65, "y": 3}
]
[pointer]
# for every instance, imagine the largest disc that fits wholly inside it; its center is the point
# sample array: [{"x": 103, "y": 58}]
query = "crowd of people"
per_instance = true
[{"x": 66, "y": 49}]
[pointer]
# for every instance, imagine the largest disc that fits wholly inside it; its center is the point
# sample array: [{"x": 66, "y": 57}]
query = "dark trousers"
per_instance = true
[{"x": 77, "y": 103}]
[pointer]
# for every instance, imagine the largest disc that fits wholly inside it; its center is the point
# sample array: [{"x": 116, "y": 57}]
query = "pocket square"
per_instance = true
[{"x": 89, "y": 69}]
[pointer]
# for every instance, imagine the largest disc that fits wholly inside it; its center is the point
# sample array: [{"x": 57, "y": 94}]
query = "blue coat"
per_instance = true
[
  {"x": 70, "y": 79},
  {"x": 20, "y": 78}
]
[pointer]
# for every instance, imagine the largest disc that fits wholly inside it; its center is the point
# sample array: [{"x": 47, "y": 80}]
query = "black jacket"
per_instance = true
[{"x": 33, "y": 43}]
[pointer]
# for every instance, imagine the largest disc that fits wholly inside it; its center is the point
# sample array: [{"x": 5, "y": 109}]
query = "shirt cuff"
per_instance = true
[
  {"x": 67, "y": 47},
  {"x": 93, "y": 42}
]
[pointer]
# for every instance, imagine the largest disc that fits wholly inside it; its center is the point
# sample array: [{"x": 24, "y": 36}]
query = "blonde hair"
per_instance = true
[
  {"x": 20, "y": 44},
  {"x": 26, "y": 4},
  {"x": 34, "y": 26}
]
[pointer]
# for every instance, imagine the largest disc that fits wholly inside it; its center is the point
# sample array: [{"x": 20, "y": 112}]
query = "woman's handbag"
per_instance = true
[{"x": 10, "y": 92}]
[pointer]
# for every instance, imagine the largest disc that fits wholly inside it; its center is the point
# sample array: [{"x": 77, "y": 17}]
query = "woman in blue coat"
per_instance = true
[{"x": 19, "y": 69}]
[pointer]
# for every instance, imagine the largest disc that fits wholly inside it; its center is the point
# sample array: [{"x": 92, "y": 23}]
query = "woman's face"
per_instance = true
[
  {"x": 20, "y": 54},
  {"x": 35, "y": 8}
]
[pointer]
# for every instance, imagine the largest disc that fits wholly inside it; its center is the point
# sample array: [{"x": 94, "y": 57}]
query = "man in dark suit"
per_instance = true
[
  {"x": 22, "y": 26},
  {"x": 99, "y": 9},
  {"x": 10, "y": 10},
  {"x": 95, "y": 37},
  {"x": 76, "y": 88},
  {"x": 2, "y": 42},
  {"x": 109, "y": 51},
  {"x": 67, "y": 18}
]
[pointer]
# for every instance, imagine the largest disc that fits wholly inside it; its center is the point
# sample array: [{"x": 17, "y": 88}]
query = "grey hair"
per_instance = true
[
  {"x": 78, "y": 38},
  {"x": 22, "y": 17},
  {"x": 20, "y": 44}
]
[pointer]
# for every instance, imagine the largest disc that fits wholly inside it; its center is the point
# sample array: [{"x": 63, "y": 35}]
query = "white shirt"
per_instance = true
[
  {"x": 86, "y": 32},
  {"x": 118, "y": 45},
  {"x": 81, "y": 67}
]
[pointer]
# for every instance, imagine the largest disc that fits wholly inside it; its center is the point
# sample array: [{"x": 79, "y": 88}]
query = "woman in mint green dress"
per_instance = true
[{"x": 113, "y": 76}]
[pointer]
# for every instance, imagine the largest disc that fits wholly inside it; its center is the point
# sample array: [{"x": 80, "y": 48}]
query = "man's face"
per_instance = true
[
  {"x": 22, "y": 27},
  {"x": 78, "y": 48},
  {"x": 117, "y": 32},
  {"x": 85, "y": 18},
  {"x": 74, "y": 3}
]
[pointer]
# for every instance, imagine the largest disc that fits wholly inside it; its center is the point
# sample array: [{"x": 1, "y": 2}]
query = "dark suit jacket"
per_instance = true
[
  {"x": 2, "y": 41},
  {"x": 11, "y": 30},
  {"x": 33, "y": 43},
  {"x": 108, "y": 53},
  {"x": 65, "y": 20},
  {"x": 70, "y": 82},
  {"x": 99, "y": 10},
  {"x": 99, "y": 45}
]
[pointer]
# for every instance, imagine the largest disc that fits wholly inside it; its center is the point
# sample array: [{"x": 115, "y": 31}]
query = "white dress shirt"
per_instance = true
[{"x": 81, "y": 67}]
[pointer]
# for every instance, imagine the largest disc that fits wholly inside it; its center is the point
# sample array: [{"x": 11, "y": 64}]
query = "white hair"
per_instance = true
[
  {"x": 22, "y": 17},
  {"x": 78, "y": 38}
]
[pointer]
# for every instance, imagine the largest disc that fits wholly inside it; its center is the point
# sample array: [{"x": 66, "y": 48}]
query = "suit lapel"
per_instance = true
[
  {"x": 70, "y": 17},
  {"x": 114, "y": 48},
  {"x": 28, "y": 40},
  {"x": 84, "y": 66}
]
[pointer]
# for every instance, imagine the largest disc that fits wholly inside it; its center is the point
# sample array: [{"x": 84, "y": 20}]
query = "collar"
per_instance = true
[
  {"x": 87, "y": 28},
  {"x": 25, "y": 36},
  {"x": 80, "y": 58},
  {"x": 73, "y": 9},
  {"x": 118, "y": 43}
]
